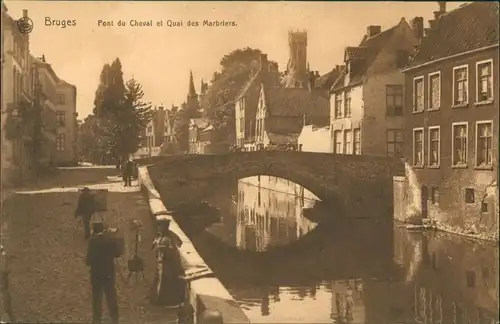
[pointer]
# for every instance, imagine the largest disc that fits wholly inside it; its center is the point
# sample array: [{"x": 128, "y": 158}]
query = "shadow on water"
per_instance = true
[{"x": 287, "y": 257}]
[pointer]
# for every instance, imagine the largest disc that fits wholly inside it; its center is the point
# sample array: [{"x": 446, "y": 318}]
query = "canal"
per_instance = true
[{"x": 286, "y": 258}]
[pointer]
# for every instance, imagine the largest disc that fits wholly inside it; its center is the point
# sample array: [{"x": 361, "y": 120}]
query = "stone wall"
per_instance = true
[
  {"x": 350, "y": 184},
  {"x": 206, "y": 292}
]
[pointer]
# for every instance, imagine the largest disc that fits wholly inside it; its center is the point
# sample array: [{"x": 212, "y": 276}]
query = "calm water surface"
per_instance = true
[{"x": 283, "y": 267}]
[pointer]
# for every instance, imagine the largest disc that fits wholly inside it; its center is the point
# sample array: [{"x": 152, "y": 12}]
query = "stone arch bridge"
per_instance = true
[{"x": 352, "y": 185}]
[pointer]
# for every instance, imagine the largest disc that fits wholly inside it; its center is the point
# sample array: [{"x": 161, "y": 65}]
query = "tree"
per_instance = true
[
  {"x": 120, "y": 116},
  {"x": 236, "y": 70}
]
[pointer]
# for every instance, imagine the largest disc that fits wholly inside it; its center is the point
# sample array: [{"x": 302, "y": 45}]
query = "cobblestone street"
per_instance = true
[{"x": 49, "y": 280}]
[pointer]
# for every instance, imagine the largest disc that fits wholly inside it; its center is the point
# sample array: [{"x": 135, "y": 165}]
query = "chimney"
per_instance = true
[
  {"x": 373, "y": 30},
  {"x": 417, "y": 24},
  {"x": 432, "y": 23},
  {"x": 25, "y": 13},
  {"x": 442, "y": 6},
  {"x": 263, "y": 62}
]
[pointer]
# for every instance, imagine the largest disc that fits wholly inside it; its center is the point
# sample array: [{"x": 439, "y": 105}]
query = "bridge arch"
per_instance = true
[{"x": 353, "y": 183}]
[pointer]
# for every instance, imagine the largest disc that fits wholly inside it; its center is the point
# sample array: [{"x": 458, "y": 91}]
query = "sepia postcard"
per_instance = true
[{"x": 249, "y": 162}]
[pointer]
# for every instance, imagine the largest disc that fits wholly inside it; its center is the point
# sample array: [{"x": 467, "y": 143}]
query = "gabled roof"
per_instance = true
[
  {"x": 469, "y": 27},
  {"x": 363, "y": 55},
  {"x": 295, "y": 102},
  {"x": 327, "y": 80}
]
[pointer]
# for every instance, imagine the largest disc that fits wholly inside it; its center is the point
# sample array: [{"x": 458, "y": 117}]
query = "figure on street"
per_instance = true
[
  {"x": 4, "y": 288},
  {"x": 170, "y": 269},
  {"x": 128, "y": 172},
  {"x": 101, "y": 255},
  {"x": 85, "y": 209}
]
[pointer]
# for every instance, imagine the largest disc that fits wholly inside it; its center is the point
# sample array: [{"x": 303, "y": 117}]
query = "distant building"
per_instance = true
[
  {"x": 367, "y": 98},
  {"x": 315, "y": 139},
  {"x": 158, "y": 133},
  {"x": 200, "y": 136},
  {"x": 66, "y": 118},
  {"x": 17, "y": 97},
  {"x": 282, "y": 113},
  {"x": 49, "y": 84},
  {"x": 451, "y": 111},
  {"x": 247, "y": 101},
  {"x": 297, "y": 70}
]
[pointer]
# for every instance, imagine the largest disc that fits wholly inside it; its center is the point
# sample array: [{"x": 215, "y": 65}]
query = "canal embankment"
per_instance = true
[{"x": 205, "y": 291}]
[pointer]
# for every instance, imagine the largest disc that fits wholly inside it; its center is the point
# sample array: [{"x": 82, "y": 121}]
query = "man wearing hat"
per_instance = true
[
  {"x": 85, "y": 209},
  {"x": 100, "y": 258}
]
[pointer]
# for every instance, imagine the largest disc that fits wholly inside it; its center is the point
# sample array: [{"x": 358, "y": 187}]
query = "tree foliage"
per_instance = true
[
  {"x": 236, "y": 69},
  {"x": 119, "y": 117}
]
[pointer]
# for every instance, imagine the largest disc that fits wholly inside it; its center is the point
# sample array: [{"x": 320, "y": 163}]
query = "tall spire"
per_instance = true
[{"x": 192, "y": 90}]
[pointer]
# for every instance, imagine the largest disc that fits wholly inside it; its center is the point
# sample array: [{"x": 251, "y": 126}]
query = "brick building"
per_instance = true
[
  {"x": 17, "y": 99},
  {"x": 367, "y": 98},
  {"x": 67, "y": 128},
  {"x": 451, "y": 112}
]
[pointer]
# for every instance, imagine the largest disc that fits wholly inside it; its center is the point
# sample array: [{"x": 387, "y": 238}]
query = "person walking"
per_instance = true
[
  {"x": 101, "y": 255},
  {"x": 129, "y": 170},
  {"x": 85, "y": 209}
]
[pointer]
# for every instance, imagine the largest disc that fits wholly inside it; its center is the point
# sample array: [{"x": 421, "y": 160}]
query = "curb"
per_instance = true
[{"x": 206, "y": 292}]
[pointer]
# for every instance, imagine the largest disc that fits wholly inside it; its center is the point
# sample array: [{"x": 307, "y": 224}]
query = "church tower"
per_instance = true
[
  {"x": 192, "y": 102},
  {"x": 297, "y": 68}
]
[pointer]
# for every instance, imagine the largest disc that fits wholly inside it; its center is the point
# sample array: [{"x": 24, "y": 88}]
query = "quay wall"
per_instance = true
[{"x": 207, "y": 295}]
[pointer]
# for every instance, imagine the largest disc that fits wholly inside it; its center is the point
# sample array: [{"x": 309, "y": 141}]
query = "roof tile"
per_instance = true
[{"x": 466, "y": 28}]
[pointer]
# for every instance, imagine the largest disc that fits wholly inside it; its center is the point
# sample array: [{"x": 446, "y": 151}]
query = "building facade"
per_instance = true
[
  {"x": 247, "y": 101},
  {"x": 451, "y": 111},
  {"x": 367, "y": 98},
  {"x": 48, "y": 89},
  {"x": 283, "y": 112},
  {"x": 66, "y": 119},
  {"x": 17, "y": 103},
  {"x": 315, "y": 139},
  {"x": 200, "y": 136}
]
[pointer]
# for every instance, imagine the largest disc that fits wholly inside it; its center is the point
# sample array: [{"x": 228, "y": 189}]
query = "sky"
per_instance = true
[{"x": 160, "y": 58}]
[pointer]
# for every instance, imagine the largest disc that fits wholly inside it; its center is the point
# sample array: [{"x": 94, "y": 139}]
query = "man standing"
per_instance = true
[
  {"x": 100, "y": 258},
  {"x": 85, "y": 209},
  {"x": 129, "y": 168}
]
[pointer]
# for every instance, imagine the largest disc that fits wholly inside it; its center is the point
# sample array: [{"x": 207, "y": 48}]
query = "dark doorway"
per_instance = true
[{"x": 425, "y": 198}]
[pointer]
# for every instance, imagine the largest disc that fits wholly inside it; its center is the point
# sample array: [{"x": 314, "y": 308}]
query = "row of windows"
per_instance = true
[
  {"x": 459, "y": 145},
  {"x": 460, "y": 90},
  {"x": 61, "y": 142},
  {"x": 394, "y": 102},
  {"x": 342, "y": 104},
  {"x": 60, "y": 118},
  {"x": 347, "y": 141},
  {"x": 468, "y": 197}
]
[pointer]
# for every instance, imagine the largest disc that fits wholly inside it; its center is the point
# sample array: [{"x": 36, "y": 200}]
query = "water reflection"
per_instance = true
[
  {"x": 270, "y": 212},
  {"x": 443, "y": 278}
]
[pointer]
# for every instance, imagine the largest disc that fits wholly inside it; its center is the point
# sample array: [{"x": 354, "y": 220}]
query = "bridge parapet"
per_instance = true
[{"x": 350, "y": 184}]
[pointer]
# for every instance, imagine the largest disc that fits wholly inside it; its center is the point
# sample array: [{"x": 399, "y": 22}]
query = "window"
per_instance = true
[
  {"x": 60, "y": 118},
  {"x": 347, "y": 141},
  {"x": 347, "y": 103},
  {"x": 418, "y": 146},
  {"x": 469, "y": 195},
  {"x": 459, "y": 144},
  {"x": 242, "y": 126},
  {"x": 434, "y": 91},
  {"x": 484, "y": 82},
  {"x": 337, "y": 141},
  {"x": 434, "y": 195},
  {"x": 434, "y": 146},
  {"x": 338, "y": 105},
  {"x": 418, "y": 94},
  {"x": 395, "y": 142},
  {"x": 470, "y": 278},
  {"x": 460, "y": 85},
  {"x": 484, "y": 134},
  {"x": 60, "y": 100},
  {"x": 357, "y": 142},
  {"x": 394, "y": 100},
  {"x": 484, "y": 207},
  {"x": 60, "y": 142}
]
